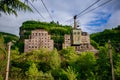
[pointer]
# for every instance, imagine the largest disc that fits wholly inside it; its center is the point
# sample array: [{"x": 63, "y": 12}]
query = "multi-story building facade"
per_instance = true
[
  {"x": 38, "y": 39},
  {"x": 83, "y": 41},
  {"x": 67, "y": 41}
]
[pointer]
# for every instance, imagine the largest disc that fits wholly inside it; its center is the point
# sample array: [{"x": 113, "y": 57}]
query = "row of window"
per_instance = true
[
  {"x": 39, "y": 34},
  {"x": 76, "y": 33},
  {"x": 30, "y": 47},
  {"x": 38, "y": 42}
]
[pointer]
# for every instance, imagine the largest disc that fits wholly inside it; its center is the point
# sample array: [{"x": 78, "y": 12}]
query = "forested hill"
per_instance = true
[
  {"x": 52, "y": 27},
  {"x": 8, "y": 37},
  {"x": 56, "y": 30},
  {"x": 108, "y": 34},
  {"x": 4, "y": 39}
]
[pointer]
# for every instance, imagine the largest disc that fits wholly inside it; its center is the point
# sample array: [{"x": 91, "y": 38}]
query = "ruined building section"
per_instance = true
[
  {"x": 78, "y": 39},
  {"x": 84, "y": 43},
  {"x": 67, "y": 41},
  {"x": 75, "y": 37},
  {"x": 38, "y": 39}
]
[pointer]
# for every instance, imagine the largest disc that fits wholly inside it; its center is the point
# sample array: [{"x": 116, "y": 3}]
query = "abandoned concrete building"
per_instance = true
[
  {"x": 38, "y": 39},
  {"x": 84, "y": 42},
  {"x": 78, "y": 39}
]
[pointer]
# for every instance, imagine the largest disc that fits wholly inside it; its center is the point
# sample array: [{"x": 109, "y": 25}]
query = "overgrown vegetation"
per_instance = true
[
  {"x": 102, "y": 38},
  {"x": 4, "y": 39},
  {"x": 54, "y": 29},
  {"x": 65, "y": 64}
]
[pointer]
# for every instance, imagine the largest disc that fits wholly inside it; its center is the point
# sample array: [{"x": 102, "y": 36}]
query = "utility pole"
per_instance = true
[
  {"x": 75, "y": 23},
  {"x": 111, "y": 61},
  {"x": 8, "y": 60}
]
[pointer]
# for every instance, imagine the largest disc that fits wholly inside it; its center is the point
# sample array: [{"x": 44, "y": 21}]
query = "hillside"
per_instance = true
[
  {"x": 9, "y": 37},
  {"x": 4, "y": 39},
  {"x": 54, "y": 29},
  {"x": 109, "y": 34},
  {"x": 65, "y": 64}
]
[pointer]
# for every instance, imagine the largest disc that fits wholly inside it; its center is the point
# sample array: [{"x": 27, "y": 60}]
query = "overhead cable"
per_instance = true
[
  {"x": 85, "y": 9},
  {"x": 36, "y": 10},
  {"x": 95, "y": 8},
  {"x": 88, "y": 7},
  {"x": 47, "y": 9}
]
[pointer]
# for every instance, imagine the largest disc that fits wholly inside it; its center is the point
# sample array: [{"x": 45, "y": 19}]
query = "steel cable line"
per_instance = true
[
  {"x": 47, "y": 10},
  {"x": 85, "y": 9},
  {"x": 36, "y": 10},
  {"x": 95, "y": 8},
  {"x": 88, "y": 7}
]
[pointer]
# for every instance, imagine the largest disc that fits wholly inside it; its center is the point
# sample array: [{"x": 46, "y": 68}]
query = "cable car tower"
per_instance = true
[{"x": 75, "y": 34}]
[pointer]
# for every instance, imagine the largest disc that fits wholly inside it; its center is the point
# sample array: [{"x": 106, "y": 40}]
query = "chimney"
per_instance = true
[{"x": 75, "y": 23}]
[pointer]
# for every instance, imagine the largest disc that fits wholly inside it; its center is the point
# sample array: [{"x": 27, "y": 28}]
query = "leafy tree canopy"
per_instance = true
[{"x": 12, "y": 6}]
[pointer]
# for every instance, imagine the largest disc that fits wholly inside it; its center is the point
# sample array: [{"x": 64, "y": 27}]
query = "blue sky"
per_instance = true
[
  {"x": 101, "y": 19},
  {"x": 104, "y": 17}
]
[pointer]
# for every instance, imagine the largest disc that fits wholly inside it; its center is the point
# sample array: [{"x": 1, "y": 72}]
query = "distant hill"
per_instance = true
[
  {"x": 56, "y": 31},
  {"x": 9, "y": 37},
  {"x": 108, "y": 34},
  {"x": 4, "y": 39}
]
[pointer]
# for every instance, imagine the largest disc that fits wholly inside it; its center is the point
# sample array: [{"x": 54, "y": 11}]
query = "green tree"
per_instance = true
[
  {"x": 85, "y": 66},
  {"x": 116, "y": 64},
  {"x": 3, "y": 58},
  {"x": 1, "y": 78},
  {"x": 103, "y": 64},
  {"x": 94, "y": 44},
  {"x": 54, "y": 61},
  {"x": 33, "y": 72},
  {"x": 12, "y": 6},
  {"x": 70, "y": 73},
  {"x": 68, "y": 56}
]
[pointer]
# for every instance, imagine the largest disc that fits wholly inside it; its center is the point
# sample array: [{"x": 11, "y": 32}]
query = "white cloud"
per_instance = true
[
  {"x": 114, "y": 21},
  {"x": 62, "y": 10}
]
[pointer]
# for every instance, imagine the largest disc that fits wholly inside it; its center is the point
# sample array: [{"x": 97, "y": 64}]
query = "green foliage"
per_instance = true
[
  {"x": 55, "y": 60},
  {"x": 1, "y": 78},
  {"x": 55, "y": 30},
  {"x": 33, "y": 72},
  {"x": 103, "y": 64},
  {"x": 70, "y": 73},
  {"x": 69, "y": 55},
  {"x": 31, "y": 25},
  {"x": 117, "y": 28},
  {"x": 94, "y": 44},
  {"x": 12, "y": 6},
  {"x": 102, "y": 37},
  {"x": 9, "y": 37},
  {"x": 2, "y": 57},
  {"x": 19, "y": 45},
  {"x": 116, "y": 62},
  {"x": 84, "y": 65},
  {"x": 65, "y": 64},
  {"x": 16, "y": 73}
]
